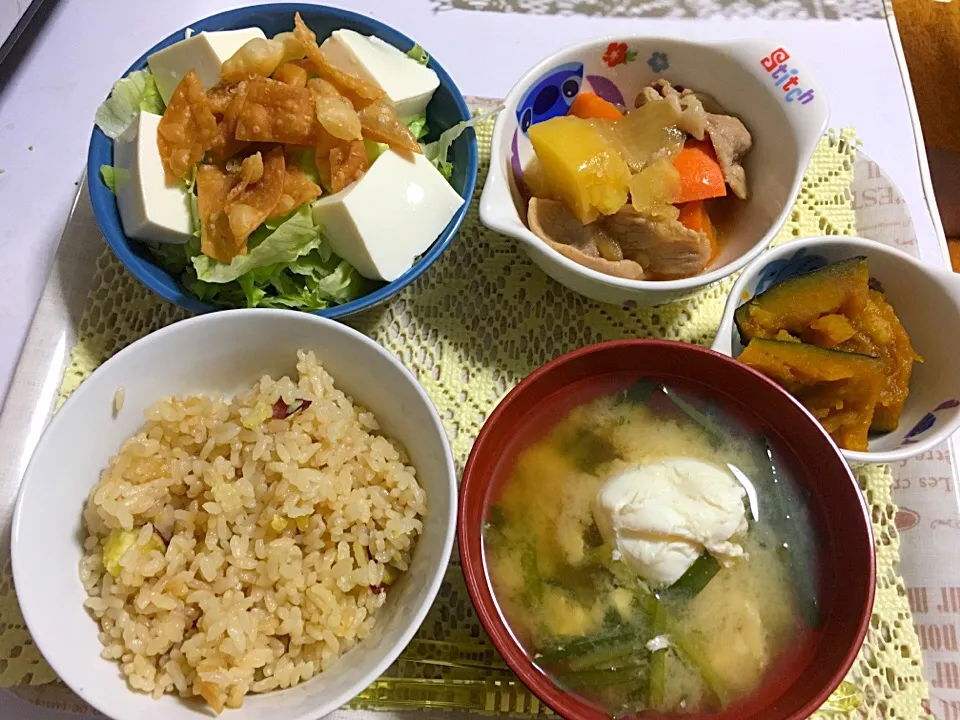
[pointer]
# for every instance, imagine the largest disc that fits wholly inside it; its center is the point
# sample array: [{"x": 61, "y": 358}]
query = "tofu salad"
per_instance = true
[{"x": 280, "y": 172}]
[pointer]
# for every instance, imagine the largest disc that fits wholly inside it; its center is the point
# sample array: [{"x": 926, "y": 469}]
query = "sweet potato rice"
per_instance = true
[{"x": 243, "y": 546}]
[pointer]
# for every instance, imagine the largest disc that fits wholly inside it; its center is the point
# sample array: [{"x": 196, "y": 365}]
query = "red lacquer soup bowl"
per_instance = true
[{"x": 805, "y": 675}]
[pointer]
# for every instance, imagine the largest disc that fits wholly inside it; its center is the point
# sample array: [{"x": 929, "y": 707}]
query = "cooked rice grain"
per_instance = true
[{"x": 247, "y": 551}]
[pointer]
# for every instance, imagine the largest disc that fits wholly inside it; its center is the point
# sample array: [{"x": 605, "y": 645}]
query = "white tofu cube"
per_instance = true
[
  {"x": 204, "y": 52},
  {"x": 149, "y": 208},
  {"x": 384, "y": 220},
  {"x": 407, "y": 83}
]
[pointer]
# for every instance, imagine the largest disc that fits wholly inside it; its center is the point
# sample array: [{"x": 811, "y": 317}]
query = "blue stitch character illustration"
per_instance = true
[{"x": 551, "y": 96}]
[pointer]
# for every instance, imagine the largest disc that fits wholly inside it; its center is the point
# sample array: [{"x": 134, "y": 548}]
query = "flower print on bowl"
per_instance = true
[
  {"x": 619, "y": 54},
  {"x": 928, "y": 421},
  {"x": 659, "y": 62}
]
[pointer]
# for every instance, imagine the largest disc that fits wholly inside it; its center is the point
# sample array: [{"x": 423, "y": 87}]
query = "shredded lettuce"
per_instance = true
[
  {"x": 114, "y": 178},
  {"x": 419, "y": 54},
  {"x": 131, "y": 94},
  {"x": 374, "y": 149},
  {"x": 289, "y": 264},
  {"x": 195, "y": 213},
  {"x": 418, "y": 126},
  {"x": 436, "y": 152},
  {"x": 297, "y": 236}
]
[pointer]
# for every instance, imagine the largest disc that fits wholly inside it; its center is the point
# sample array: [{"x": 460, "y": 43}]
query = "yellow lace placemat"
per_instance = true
[{"x": 481, "y": 319}]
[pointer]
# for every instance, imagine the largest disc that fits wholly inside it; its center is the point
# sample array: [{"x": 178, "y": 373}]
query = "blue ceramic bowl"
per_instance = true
[{"x": 446, "y": 109}]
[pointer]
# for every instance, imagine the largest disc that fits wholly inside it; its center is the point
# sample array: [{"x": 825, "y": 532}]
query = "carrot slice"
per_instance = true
[
  {"x": 701, "y": 176},
  {"x": 693, "y": 215},
  {"x": 590, "y": 106}
]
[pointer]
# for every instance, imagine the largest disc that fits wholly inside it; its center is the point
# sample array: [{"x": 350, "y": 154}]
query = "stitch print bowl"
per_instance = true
[
  {"x": 926, "y": 300},
  {"x": 756, "y": 80}
]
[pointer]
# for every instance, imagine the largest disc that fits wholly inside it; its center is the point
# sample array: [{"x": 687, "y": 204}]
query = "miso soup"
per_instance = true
[{"x": 651, "y": 552}]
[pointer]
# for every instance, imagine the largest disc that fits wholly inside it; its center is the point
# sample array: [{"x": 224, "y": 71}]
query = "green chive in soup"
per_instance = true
[{"x": 650, "y": 553}]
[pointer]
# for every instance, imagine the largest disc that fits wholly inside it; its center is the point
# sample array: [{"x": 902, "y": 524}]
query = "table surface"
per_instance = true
[{"x": 47, "y": 104}]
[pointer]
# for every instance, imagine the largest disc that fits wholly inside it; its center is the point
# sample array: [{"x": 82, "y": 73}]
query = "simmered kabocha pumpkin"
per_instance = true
[
  {"x": 792, "y": 305},
  {"x": 880, "y": 333},
  {"x": 839, "y": 388},
  {"x": 834, "y": 308}
]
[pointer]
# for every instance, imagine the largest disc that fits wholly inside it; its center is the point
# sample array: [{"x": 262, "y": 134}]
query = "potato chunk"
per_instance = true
[{"x": 580, "y": 167}]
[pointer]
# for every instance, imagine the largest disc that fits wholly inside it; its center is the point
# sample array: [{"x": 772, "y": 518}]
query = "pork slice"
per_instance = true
[
  {"x": 731, "y": 141},
  {"x": 665, "y": 248},
  {"x": 552, "y": 222}
]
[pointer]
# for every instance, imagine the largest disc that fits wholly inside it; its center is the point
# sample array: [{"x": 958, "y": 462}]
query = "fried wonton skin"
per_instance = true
[
  {"x": 297, "y": 190},
  {"x": 260, "y": 57},
  {"x": 256, "y": 195},
  {"x": 360, "y": 92},
  {"x": 216, "y": 239},
  {"x": 275, "y": 112},
  {"x": 379, "y": 122},
  {"x": 187, "y": 128},
  {"x": 230, "y": 98},
  {"x": 348, "y": 163}
]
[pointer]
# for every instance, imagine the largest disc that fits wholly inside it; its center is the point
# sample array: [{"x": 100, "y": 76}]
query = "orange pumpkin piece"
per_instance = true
[
  {"x": 830, "y": 330},
  {"x": 880, "y": 333},
  {"x": 187, "y": 128},
  {"x": 840, "y": 389},
  {"x": 834, "y": 308},
  {"x": 841, "y": 288}
]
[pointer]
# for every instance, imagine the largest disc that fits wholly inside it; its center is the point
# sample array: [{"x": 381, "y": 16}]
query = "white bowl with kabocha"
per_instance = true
[
  {"x": 855, "y": 331},
  {"x": 641, "y": 169},
  {"x": 312, "y": 160}
]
